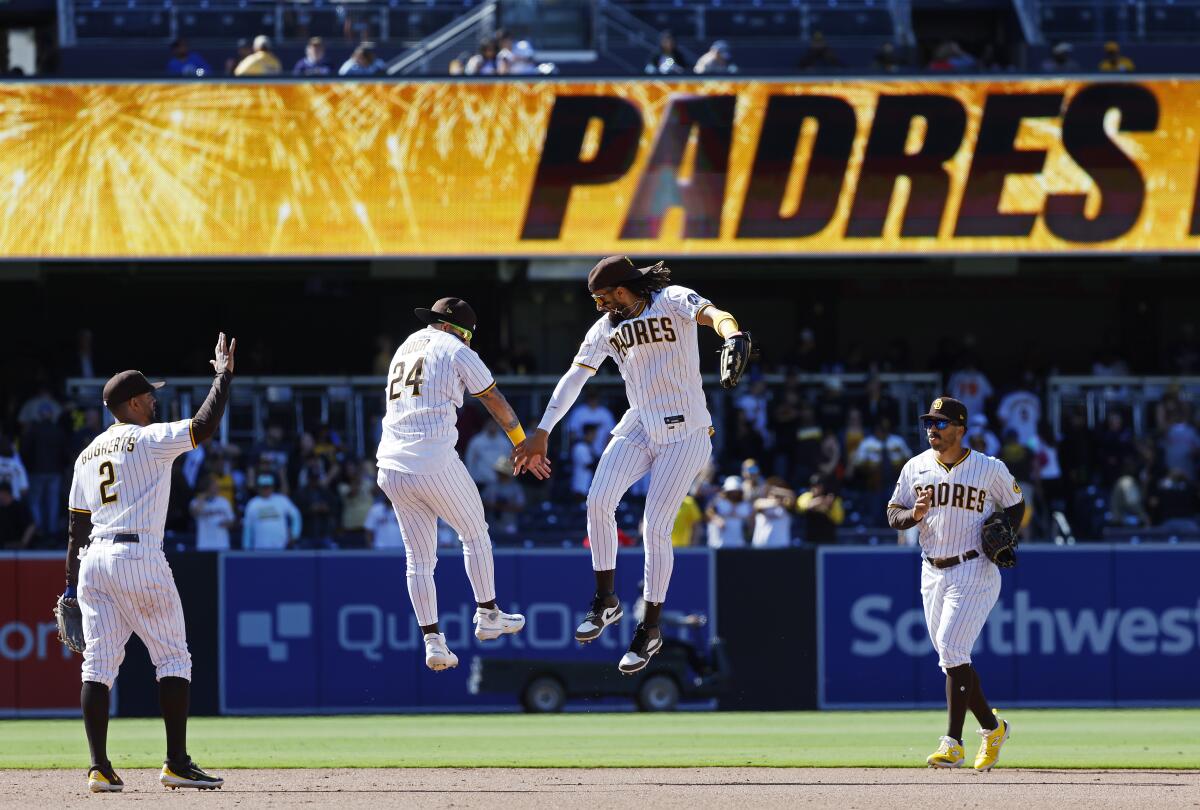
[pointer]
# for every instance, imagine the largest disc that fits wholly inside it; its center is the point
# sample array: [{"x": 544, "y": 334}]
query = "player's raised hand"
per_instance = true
[
  {"x": 531, "y": 455},
  {"x": 922, "y": 506},
  {"x": 223, "y": 355}
]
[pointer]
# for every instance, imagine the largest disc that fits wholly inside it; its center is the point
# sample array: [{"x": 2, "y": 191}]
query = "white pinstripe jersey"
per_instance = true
[
  {"x": 963, "y": 497},
  {"x": 123, "y": 478},
  {"x": 429, "y": 373},
  {"x": 658, "y": 355}
]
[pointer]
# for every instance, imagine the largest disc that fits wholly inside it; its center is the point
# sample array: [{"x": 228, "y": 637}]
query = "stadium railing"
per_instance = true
[{"x": 1097, "y": 395}]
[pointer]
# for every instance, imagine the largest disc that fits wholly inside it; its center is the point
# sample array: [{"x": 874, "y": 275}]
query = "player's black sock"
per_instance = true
[
  {"x": 653, "y": 612},
  {"x": 93, "y": 698},
  {"x": 173, "y": 697},
  {"x": 606, "y": 585},
  {"x": 487, "y": 605},
  {"x": 958, "y": 692},
  {"x": 979, "y": 705}
]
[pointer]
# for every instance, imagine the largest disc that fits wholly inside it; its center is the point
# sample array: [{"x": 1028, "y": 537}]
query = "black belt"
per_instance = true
[
  {"x": 125, "y": 538},
  {"x": 950, "y": 562}
]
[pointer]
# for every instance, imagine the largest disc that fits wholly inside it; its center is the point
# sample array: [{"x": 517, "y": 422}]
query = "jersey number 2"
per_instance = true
[
  {"x": 413, "y": 380},
  {"x": 108, "y": 477}
]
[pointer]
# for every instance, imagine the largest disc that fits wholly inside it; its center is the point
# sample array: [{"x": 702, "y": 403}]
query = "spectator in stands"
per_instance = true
[
  {"x": 688, "y": 523},
  {"x": 728, "y": 516},
  {"x": 876, "y": 404},
  {"x": 17, "y": 528},
  {"x": 93, "y": 426},
  {"x": 979, "y": 437},
  {"x": 504, "y": 497},
  {"x": 853, "y": 433},
  {"x": 819, "y": 55},
  {"x": 718, "y": 60},
  {"x": 363, "y": 62},
  {"x": 186, "y": 63},
  {"x": 808, "y": 445},
  {"x": 1017, "y": 456},
  {"x": 12, "y": 471},
  {"x": 822, "y": 509},
  {"x": 213, "y": 516},
  {"x": 785, "y": 421},
  {"x": 1174, "y": 503},
  {"x": 745, "y": 439},
  {"x": 484, "y": 62},
  {"x": 1113, "y": 61},
  {"x": 583, "y": 462},
  {"x": 37, "y": 406},
  {"x": 753, "y": 482},
  {"x": 1021, "y": 410},
  {"x": 1075, "y": 449},
  {"x": 876, "y": 466},
  {"x": 1126, "y": 503},
  {"x": 773, "y": 515},
  {"x": 1061, "y": 59},
  {"x": 318, "y": 504},
  {"x": 949, "y": 57},
  {"x": 667, "y": 60},
  {"x": 271, "y": 520},
  {"x": 314, "y": 62},
  {"x": 504, "y": 49},
  {"x": 482, "y": 450},
  {"x": 829, "y": 464},
  {"x": 261, "y": 62},
  {"x": 1180, "y": 445},
  {"x": 970, "y": 386},
  {"x": 356, "y": 492},
  {"x": 830, "y": 406},
  {"x": 1113, "y": 445},
  {"x": 243, "y": 50},
  {"x": 45, "y": 452},
  {"x": 755, "y": 403},
  {"x": 886, "y": 60},
  {"x": 522, "y": 62},
  {"x": 271, "y": 455},
  {"x": 592, "y": 412},
  {"x": 382, "y": 528}
]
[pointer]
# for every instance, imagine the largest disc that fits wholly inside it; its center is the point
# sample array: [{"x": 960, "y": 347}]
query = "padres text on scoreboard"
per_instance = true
[{"x": 563, "y": 168}]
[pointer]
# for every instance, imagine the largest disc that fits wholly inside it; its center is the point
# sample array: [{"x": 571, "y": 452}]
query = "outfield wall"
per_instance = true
[{"x": 308, "y": 632}]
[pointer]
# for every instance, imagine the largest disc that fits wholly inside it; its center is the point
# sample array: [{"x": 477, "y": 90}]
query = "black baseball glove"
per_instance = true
[
  {"x": 1000, "y": 541},
  {"x": 70, "y": 624},
  {"x": 735, "y": 355}
]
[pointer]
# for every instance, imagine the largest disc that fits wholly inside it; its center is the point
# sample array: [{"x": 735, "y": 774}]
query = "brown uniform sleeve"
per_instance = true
[
  {"x": 78, "y": 536},
  {"x": 900, "y": 518},
  {"x": 208, "y": 417},
  {"x": 1015, "y": 514}
]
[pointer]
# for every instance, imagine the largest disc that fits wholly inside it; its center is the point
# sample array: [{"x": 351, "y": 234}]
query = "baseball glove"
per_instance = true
[
  {"x": 999, "y": 541},
  {"x": 70, "y": 624},
  {"x": 735, "y": 355}
]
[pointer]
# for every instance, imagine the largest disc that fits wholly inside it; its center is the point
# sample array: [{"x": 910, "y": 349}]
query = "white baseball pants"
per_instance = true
[
  {"x": 672, "y": 467},
  {"x": 418, "y": 501},
  {"x": 957, "y": 602},
  {"x": 127, "y": 588}
]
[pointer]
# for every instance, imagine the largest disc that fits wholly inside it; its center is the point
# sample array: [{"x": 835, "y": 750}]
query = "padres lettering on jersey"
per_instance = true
[
  {"x": 657, "y": 354},
  {"x": 123, "y": 478},
  {"x": 428, "y": 376},
  {"x": 962, "y": 497}
]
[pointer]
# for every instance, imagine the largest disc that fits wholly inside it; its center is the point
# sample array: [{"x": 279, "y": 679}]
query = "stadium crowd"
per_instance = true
[{"x": 798, "y": 464}]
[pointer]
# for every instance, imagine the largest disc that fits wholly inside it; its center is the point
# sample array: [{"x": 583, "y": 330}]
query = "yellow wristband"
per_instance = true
[
  {"x": 516, "y": 435},
  {"x": 726, "y": 318}
]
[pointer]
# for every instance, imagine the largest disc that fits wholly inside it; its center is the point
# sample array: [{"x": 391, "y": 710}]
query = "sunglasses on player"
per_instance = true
[{"x": 939, "y": 424}]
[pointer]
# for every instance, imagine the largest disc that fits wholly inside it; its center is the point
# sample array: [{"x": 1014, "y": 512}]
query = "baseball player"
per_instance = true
[
  {"x": 649, "y": 329},
  {"x": 424, "y": 478},
  {"x": 949, "y": 492},
  {"x": 116, "y": 569}
]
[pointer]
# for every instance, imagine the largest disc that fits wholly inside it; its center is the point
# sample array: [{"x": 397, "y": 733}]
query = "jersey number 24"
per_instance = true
[{"x": 413, "y": 380}]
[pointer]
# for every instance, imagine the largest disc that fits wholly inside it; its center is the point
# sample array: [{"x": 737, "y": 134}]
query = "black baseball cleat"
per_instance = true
[
  {"x": 641, "y": 650},
  {"x": 187, "y": 775},
  {"x": 103, "y": 779},
  {"x": 597, "y": 618}
]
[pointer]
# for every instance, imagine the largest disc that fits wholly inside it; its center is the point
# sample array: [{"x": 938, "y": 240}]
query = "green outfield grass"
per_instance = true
[{"x": 1149, "y": 738}]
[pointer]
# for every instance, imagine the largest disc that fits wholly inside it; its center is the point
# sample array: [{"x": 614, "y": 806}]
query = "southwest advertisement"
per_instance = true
[{"x": 587, "y": 168}]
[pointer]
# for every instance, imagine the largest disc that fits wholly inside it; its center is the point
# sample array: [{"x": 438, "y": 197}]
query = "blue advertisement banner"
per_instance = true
[
  {"x": 1083, "y": 626},
  {"x": 330, "y": 632}
]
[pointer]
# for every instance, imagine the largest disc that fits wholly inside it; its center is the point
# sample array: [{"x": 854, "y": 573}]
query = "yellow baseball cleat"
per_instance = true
[
  {"x": 104, "y": 780},
  {"x": 949, "y": 755},
  {"x": 989, "y": 748}
]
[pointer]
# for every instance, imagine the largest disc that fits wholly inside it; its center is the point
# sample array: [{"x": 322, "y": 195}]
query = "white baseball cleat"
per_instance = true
[
  {"x": 598, "y": 617},
  {"x": 437, "y": 654},
  {"x": 493, "y": 623}
]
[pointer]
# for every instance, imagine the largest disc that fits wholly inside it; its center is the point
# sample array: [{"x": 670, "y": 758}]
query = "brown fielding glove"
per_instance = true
[
  {"x": 999, "y": 541},
  {"x": 735, "y": 355},
  {"x": 70, "y": 624}
]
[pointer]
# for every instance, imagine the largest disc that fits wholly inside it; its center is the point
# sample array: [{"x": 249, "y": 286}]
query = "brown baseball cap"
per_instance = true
[
  {"x": 947, "y": 408},
  {"x": 126, "y": 385},
  {"x": 615, "y": 271},
  {"x": 453, "y": 311}
]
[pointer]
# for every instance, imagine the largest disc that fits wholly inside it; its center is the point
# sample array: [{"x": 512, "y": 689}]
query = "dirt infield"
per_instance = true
[{"x": 622, "y": 787}]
